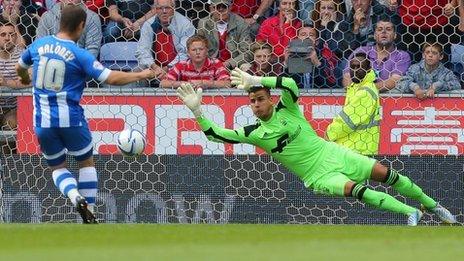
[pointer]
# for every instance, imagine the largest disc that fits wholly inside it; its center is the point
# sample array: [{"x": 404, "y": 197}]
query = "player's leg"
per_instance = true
[
  {"x": 88, "y": 181},
  {"x": 382, "y": 200},
  {"x": 340, "y": 185},
  {"x": 358, "y": 168},
  {"x": 407, "y": 188},
  {"x": 55, "y": 153},
  {"x": 78, "y": 141}
]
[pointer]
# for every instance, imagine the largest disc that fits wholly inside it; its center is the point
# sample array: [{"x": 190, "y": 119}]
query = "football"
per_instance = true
[{"x": 131, "y": 142}]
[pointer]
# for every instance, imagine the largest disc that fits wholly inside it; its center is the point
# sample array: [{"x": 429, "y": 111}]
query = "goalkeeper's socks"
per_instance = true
[
  {"x": 66, "y": 183},
  {"x": 380, "y": 200},
  {"x": 407, "y": 188},
  {"x": 88, "y": 186}
]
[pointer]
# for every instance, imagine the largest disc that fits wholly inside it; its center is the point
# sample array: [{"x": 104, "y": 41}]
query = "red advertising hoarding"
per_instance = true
[{"x": 408, "y": 127}]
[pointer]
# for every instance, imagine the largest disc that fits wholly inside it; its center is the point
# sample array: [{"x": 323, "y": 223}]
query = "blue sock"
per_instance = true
[
  {"x": 66, "y": 183},
  {"x": 88, "y": 185}
]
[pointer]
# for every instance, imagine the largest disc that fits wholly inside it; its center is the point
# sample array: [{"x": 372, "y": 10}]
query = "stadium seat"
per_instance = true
[{"x": 119, "y": 56}]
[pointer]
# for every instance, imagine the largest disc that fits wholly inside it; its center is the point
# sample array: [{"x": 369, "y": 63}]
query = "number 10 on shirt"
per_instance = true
[{"x": 50, "y": 74}]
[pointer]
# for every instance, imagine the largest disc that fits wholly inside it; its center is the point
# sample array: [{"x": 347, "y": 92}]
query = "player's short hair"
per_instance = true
[
  {"x": 5, "y": 22},
  {"x": 197, "y": 38},
  {"x": 71, "y": 18},
  {"x": 259, "y": 88},
  {"x": 435, "y": 45},
  {"x": 362, "y": 57}
]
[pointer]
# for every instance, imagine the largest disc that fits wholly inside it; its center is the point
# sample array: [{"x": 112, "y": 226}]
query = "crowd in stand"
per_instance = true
[{"x": 199, "y": 41}]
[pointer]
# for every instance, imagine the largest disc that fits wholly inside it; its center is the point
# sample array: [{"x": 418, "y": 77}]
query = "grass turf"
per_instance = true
[{"x": 135, "y": 242}]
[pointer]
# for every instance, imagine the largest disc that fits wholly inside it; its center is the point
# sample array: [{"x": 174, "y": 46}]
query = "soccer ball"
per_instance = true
[{"x": 131, "y": 142}]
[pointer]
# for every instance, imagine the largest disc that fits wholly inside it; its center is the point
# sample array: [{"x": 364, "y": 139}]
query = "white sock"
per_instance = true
[
  {"x": 66, "y": 183},
  {"x": 88, "y": 185}
]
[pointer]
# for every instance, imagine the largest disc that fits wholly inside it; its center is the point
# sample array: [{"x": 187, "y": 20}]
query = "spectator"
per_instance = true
[
  {"x": 306, "y": 10},
  {"x": 9, "y": 56},
  {"x": 349, "y": 4},
  {"x": 39, "y": 6},
  {"x": 26, "y": 23},
  {"x": 388, "y": 62},
  {"x": 359, "y": 25},
  {"x": 99, "y": 7},
  {"x": 429, "y": 76},
  {"x": 279, "y": 30},
  {"x": 427, "y": 21},
  {"x": 461, "y": 18},
  {"x": 325, "y": 73},
  {"x": 326, "y": 18},
  {"x": 91, "y": 38},
  {"x": 264, "y": 62},
  {"x": 227, "y": 34},
  {"x": 357, "y": 125},
  {"x": 199, "y": 70},
  {"x": 327, "y": 12},
  {"x": 127, "y": 17},
  {"x": 251, "y": 10},
  {"x": 163, "y": 39}
]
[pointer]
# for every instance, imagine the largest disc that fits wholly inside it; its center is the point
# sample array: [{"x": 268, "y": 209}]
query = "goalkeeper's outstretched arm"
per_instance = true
[
  {"x": 245, "y": 81},
  {"x": 212, "y": 131},
  {"x": 290, "y": 89}
]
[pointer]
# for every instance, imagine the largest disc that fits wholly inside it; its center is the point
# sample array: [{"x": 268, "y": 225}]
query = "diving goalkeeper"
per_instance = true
[{"x": 285, "y": 134}]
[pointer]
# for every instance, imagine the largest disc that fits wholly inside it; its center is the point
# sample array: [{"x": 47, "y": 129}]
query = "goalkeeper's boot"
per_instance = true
[
  {"x": 414, "y": 218},
  {"x": 86, "y": 215},
  {"x": 442, "y": 213}
]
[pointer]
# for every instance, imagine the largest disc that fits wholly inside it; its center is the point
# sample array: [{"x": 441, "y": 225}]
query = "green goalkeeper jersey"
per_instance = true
[{"x": 286, "y": 136}]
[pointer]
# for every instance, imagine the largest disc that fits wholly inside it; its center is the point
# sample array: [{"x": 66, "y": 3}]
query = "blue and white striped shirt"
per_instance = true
[{"x": 60, "y": 68}]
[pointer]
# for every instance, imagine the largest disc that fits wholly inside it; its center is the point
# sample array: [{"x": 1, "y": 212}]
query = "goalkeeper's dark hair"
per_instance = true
[
  {"x": 257, "y": 88},
  {"x": 71, "y": 17}
]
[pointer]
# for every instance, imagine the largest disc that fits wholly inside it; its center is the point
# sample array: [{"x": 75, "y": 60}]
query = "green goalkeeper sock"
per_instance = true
[
  {"x": 381, "y": 200},
  {"x": 409, "y": 189}
]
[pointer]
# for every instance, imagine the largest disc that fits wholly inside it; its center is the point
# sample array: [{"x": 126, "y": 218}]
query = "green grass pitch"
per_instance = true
[{"x": 135, "y": 242}]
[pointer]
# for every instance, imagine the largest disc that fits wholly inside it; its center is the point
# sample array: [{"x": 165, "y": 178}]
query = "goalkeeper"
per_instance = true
[{"x": 284, "y": 133}]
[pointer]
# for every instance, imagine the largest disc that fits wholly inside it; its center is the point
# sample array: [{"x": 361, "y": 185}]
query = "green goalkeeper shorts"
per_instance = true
[{"x": 339, "y": 166}]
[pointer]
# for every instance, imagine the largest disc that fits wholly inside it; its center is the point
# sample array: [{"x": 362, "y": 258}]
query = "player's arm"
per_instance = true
[
  {"x": 24, "y": 77},
  {"x": 22, "y": 67},
  {"x": 96, "y": 70},
  {"x": 122, "y": 78},
  {"x": 355, "y": 115},
  {"x": 290, "y": 91},
  {"x": 212, "y": 131},
  {"x": 218, "y": 134}
]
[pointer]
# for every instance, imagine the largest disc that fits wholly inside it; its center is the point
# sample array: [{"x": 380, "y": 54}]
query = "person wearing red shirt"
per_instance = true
[
  {"x": 251, "y": 10},
  {"x": 427, "y": 20},
  {"x": 198, "y": 70},
  {"x": 279, "y": 30}
]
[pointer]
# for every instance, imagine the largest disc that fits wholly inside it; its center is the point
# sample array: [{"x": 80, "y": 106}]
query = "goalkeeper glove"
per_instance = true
[
  {"x": 244, "y": 80},
  {"x": 191, "y": 98}
]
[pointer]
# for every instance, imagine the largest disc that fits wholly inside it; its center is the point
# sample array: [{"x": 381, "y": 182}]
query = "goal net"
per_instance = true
[{"x": 184, "y": 178}]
